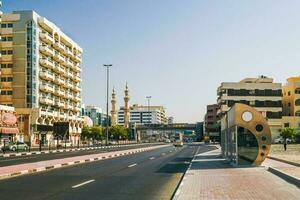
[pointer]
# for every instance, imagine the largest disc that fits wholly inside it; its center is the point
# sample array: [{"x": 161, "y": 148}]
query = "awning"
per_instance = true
[{"x": 5, "y": 130}]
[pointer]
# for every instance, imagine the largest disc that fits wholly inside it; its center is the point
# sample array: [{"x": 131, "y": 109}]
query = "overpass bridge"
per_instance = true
[{"x": 146, "y": 131}]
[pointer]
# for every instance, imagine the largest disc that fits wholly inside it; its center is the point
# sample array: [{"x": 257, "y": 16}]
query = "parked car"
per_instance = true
[
  {"x": 66, "y": 143},
  {"x": 167, "y": 141},
  {"x": 112, "y": 142},
  {"x": 280, "y": 140},
  {"x": 15, "y": 146}
]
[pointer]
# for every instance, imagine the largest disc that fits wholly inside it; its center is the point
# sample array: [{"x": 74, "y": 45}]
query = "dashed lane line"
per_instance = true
[
  {"x": 132, "y": 165},
  {"x": 84, "y": 183}
]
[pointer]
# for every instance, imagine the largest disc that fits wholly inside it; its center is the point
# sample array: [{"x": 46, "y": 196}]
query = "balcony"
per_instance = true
[
  {"x": 76, "y": 78},
  {"x": 77, "y": 98},
  {"x": 6, "y": 98},
  {"x": 68, "y": 106},
  {"x": 46, "y": 37},
  {"x": 69, "y": 52},
  {"x": 77, "y": 58},
  {"x": 69, "y": 74},
  {"x": 46, "y": 88},
  {"x": 6, "y": 44},
  {"x": 58, "y": 46},
  {"x": 46, "y": 50},
  {"x": 60, "y": 93},
  {"x": 61, "y": 81},
  {"x": 59, "y": 58},
  {"x": 69, "y": 63},
  {"x": 59, "y": 104},
  {"x": 46, "y": 63},
  {"x": 6, "y": 58},
  {"x": 77, "y": 68},
  {"x": 46, "y": 75},
  {"x": 77, "y": 88},
  {"x": 69, "y": 85},
  {"x": 44, "y": 100},
  {"x": 69, "y": 96},
  {"x": 6, "y": 31}
]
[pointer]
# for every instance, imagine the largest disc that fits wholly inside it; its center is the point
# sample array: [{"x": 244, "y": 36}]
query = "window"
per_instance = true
[
  {"x": 6, "y": 65},
  {"x": 286, "y": 125},
  {"x": 252, "y": 103},
  {"x": 7, "y": 52},
  {"x": 6, "y": 79},
  {"x": 10, "y": 25},
  {"x": 6, "y": 92},
  {"x": 3, "y": 25},
  {"x": 289, "y": 93}
]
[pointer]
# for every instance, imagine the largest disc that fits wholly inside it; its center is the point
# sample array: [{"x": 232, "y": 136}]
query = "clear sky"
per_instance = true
[{"x": 176, "y": 51}]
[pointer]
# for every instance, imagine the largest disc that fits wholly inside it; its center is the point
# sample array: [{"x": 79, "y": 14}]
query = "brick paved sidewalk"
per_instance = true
[
  {"x": 211, "y": 177},
  {"x": 15, "y": 170}
]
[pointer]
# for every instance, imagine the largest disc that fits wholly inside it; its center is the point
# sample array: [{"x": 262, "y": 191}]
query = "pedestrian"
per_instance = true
[{"x": 284, "y": 144}]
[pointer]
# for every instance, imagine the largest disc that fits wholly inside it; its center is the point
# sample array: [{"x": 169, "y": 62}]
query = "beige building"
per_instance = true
[
  {"x": 291, "y": 103},
  {"x": 261, "y": 93},
  {"x": 41, "y": 75}
]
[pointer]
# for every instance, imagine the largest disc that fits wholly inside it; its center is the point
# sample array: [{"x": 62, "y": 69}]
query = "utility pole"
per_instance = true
[
  {"x": 107, "y": 66},
  {"x": 149, "y": 119}
]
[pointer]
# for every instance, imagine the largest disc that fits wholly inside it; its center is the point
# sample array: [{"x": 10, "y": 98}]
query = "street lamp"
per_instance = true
[
  {"x": 149, "y": 98},
  {"x": 107, "y": 88}
]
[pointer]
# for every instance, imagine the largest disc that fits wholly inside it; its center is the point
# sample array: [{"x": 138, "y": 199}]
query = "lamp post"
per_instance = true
[
  {"x": 149, "y": 98},
  {"x": 107, "y": 88}
]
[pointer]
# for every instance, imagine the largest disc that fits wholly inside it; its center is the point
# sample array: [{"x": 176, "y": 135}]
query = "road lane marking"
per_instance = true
[
  {"x": 163, "y": 154},
  {"x": 132, "y": 165},
  {"x": 152, "y": 158},
  {"x": 84, "y": 183}
]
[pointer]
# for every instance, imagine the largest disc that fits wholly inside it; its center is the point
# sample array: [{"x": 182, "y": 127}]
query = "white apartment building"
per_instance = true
[{"x": 143, "y": 115}]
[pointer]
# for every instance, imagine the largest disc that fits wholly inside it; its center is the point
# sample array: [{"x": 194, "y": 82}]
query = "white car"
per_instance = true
[{"x": 280, "y": 140}]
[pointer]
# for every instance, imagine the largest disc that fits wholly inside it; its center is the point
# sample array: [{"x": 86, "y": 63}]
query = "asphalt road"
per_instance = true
[
  {"x": 7, "y": 161},
  {"x": 152, "y": 174}
]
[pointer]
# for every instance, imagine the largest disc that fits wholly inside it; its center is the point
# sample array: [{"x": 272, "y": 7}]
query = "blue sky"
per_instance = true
[{"x": 176, "y": 51}]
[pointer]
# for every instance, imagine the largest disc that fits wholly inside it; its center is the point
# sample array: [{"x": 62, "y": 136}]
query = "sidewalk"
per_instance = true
[
  {"x": 286, "y": 171},
  {"x": 211, "y": 177},
  {"x": 15, "y": 170}
]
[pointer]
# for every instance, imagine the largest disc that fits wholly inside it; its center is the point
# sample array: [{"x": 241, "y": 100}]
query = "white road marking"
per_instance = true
[
  {"x": 163, "y": 154},
  {"x": 132, "y": 165},
  {"x": 84, "y": 183},
  {"x": 152, "y": 158}
]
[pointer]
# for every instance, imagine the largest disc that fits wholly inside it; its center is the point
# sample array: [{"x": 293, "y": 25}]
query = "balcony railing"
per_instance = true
[
  {"x": 46, "y": 37},
  {"x": 46, "y": 50},
  {"x": 46, "y": 75},
  {"x": 45, "y": 100},
  {"x": 47, "y": 88},
  {"x": 58, "y": 57},
  {"x": 59, "y": 46},
  {"x": 46, "y": 63}
]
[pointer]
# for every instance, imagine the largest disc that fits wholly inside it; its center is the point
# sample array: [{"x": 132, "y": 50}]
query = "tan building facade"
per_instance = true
[
  {"x": 41, "y": 75},
  {"x": 291, "y": 103},
  {"x": 261, "y": 93}
]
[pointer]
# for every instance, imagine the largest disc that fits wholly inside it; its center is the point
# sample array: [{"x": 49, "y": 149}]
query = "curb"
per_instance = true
[
  {"x": 285, "y": 161},
  {"x": 76, "y": 162},
  {"x": 289, "y": 178},
  {"x": 62, "y": 150}
]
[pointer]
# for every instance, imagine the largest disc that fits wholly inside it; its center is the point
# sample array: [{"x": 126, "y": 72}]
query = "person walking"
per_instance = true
[{"x": 284, "y": 144}]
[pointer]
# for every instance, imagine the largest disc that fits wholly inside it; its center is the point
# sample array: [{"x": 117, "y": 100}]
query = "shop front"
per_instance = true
[{"x": 8, "y": 125}]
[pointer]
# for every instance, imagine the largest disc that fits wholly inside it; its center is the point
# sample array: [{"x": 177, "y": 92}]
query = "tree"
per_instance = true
[
  {"x": 116, "y": 132},
  {"x": 288, "y": 132},
  {"x": 85, "y": 132},
  {"x": 96, "y": 133}
]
